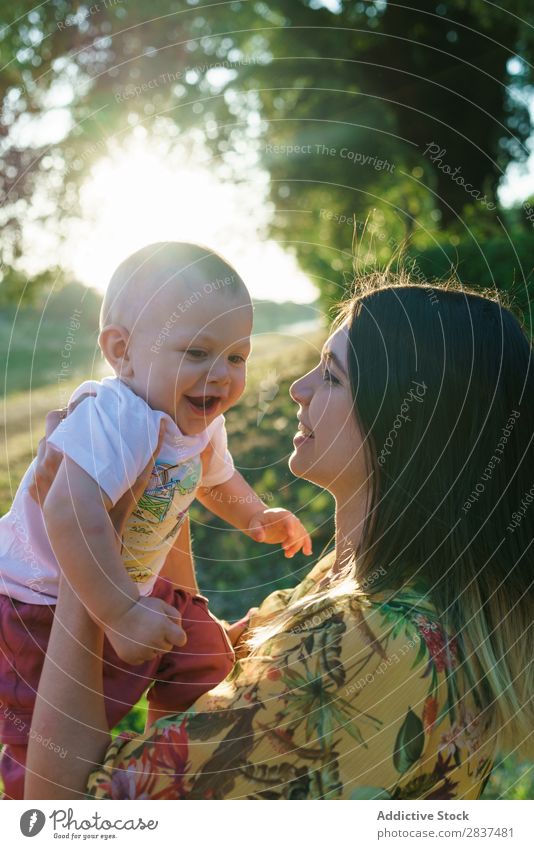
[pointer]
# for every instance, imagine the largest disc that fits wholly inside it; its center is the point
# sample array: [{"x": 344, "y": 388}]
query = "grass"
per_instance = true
[{"x": 233, "y": 571}]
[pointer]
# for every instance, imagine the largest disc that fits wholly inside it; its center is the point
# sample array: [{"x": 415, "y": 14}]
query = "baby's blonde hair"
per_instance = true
[{"x": 153, "y": 268}]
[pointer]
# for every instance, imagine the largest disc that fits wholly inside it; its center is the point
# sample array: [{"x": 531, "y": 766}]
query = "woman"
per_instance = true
[{"x": 403, "y": 661}]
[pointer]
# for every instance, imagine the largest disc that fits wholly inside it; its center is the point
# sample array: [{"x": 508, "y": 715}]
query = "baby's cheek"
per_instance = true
[{"x": 240, "y": 386}]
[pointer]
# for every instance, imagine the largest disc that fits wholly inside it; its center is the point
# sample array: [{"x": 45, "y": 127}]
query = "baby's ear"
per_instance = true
[{"x": 113, "y": 341}]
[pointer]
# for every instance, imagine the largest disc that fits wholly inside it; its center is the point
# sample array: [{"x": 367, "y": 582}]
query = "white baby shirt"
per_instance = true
[{"x": 112, "y": 437}]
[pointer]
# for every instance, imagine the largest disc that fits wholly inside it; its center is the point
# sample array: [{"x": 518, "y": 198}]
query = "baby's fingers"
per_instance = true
[
  {"x": 298, "y": 538},
  {"x": 307, "y": 544}
]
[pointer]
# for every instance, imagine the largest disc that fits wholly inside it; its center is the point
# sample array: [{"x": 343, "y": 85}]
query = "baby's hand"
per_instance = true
[
  {"x": 278, "y": 525},
  {"x": 150, "y": 626}
]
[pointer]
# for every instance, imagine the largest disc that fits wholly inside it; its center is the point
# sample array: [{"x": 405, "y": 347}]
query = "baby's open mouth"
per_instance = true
[{"x": 203, "y": 403}]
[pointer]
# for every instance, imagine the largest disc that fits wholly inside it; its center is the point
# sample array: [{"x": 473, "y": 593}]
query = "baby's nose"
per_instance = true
[{"x": 219, "y": 372}]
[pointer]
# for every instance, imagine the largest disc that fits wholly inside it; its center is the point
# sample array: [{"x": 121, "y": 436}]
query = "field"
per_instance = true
[{"x": 234, "y": 572}]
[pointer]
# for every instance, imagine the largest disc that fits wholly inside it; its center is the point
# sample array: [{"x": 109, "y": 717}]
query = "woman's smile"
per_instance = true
[{"x": 303, "y": 434}]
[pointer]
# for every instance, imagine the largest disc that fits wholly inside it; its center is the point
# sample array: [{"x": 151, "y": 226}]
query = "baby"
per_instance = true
[{"x": 175, "y": 328}]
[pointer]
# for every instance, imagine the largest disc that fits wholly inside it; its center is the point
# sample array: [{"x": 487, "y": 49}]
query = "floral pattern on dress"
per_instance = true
[{"x": 358, "y": 699}]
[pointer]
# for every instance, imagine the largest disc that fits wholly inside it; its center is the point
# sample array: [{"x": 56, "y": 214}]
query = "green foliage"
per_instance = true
[
  {"x": 269, "y": 315},
  {"x": 506, "y": 264},
  {"x": 491, "y": 262},
  {"x": 53, "y": 341},
  {"x": 510, "y": 779}
]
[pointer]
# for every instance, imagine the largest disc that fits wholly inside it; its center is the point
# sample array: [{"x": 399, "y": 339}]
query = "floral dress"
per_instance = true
[{"x": 357, "y": 699}]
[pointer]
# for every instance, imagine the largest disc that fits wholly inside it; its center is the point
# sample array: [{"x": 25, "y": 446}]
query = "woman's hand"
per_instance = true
[
  {"x": 236, "y": 631},
  {"x": 49, "y": 461},
  {"x": 48, "y": 458}
]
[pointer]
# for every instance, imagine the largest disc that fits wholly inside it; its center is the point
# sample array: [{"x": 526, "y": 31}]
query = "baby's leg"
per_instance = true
[
  {"x": 186, "y": 672},
  {"x": 124, "y": 684},
  {"x": 24, "y": 633}
]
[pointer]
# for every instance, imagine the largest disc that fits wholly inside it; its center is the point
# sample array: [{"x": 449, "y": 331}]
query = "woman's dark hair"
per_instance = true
[{"x": 443, "y": 386}]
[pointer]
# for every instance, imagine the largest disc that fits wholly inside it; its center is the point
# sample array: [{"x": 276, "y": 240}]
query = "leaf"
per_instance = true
[
  {"x": 327, "y": 779},
  {"x": 330, "y": 648},
  {"x": 409, "y": 743},
  {"x": 269, "y": 775},
  {"x": 216, "y": 778},
  {"x": 308, "y": 644},
  {"x": 208, "y": 726}
]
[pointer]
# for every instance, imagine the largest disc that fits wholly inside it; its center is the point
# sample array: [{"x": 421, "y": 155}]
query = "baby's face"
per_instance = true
[{"x": 189, "y": 355}]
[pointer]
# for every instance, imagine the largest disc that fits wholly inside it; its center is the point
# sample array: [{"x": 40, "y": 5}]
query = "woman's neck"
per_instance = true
[{"x": 350, "y": 519}]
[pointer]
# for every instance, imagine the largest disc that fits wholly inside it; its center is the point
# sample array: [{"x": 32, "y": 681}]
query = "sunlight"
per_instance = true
[{"x": 144, "y": 194}]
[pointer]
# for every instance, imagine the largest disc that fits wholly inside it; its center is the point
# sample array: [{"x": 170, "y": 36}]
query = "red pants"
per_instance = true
[{"x": 178, "y": 678}]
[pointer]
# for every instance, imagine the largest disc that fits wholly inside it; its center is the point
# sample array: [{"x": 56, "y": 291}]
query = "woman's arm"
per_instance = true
[{"x": 70, "y": 706}]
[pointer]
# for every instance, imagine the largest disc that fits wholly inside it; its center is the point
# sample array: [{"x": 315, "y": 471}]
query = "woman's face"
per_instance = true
[{"x": 329, "y": 448}]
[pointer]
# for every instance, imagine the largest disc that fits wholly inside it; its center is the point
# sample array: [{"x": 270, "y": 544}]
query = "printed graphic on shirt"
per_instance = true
[{"x": 160, "y": 512}]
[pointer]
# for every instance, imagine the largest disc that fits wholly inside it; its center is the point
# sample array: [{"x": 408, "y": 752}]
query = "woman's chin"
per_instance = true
[
  {"x": 294, "y": 463},
  {"x": 298, "y": 465}
]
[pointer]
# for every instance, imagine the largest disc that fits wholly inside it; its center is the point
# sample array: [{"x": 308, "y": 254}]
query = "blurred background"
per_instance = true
[{"x": 304, "y": 139}]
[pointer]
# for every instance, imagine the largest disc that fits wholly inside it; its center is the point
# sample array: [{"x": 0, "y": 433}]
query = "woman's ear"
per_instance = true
[{"x": 113, "y": 341}]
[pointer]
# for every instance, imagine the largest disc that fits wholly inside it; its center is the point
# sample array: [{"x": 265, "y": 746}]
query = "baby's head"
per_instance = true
[{"x": 175, "y": 326}]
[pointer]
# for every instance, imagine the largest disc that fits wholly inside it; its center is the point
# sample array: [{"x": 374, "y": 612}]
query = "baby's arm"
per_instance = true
[
  {"x": 237, "y": 503},
  {"x": 85, "y": 545},
  {"x": 234, "y": 501}
]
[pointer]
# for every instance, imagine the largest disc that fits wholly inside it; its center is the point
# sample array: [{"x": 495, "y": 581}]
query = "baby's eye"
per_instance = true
[
  {"x": 196, "y": 353},
  {"x": 237, "y": 358},
  {"x": 328, "y": 376}
]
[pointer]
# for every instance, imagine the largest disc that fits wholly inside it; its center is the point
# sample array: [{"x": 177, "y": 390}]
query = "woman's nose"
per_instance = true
[{"x": 300, "y": 390}]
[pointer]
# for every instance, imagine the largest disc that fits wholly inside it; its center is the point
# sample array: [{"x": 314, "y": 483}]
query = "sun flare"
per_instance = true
[{"x": 141, "y": 195}]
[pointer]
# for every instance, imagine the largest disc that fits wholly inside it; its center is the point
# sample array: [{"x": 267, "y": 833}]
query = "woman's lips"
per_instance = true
[{"x": 304, "y": 434}]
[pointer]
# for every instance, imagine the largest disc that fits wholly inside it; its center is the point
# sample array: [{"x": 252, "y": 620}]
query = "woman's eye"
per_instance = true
[{"x": 327, "y": 375}]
